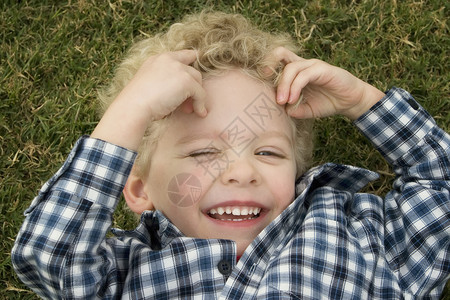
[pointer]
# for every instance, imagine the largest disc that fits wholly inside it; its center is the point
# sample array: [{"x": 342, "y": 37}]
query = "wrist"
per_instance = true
[
  {"x": 122, "y": 126},
  {"x": 370, "y": 96}
]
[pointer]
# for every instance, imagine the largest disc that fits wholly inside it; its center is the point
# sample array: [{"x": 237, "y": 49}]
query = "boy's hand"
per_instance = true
[
  {"x": 326, "y": 90},
  {"x": 162, "y": 84}
]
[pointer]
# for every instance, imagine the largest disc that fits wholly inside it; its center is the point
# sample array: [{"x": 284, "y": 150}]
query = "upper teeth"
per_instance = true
[{"x": 235, "y": 210}]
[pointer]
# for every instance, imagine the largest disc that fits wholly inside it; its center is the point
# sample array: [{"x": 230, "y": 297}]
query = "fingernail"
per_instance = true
[
  {"x": 280, "y": 97},
  {"x": 204, "y": 112}
]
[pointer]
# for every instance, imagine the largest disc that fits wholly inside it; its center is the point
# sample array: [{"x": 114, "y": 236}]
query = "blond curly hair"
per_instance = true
[{"x": 223, "y": 42}]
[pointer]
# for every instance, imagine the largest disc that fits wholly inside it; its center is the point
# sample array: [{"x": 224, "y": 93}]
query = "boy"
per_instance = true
[{"x": 214, "y": 109}]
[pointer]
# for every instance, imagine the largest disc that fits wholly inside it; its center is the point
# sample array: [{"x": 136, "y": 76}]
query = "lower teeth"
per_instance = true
[{"x": 239, "y": 220}]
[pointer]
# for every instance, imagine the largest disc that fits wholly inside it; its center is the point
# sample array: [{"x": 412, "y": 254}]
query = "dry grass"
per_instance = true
[{"x": 55, "y": 54}]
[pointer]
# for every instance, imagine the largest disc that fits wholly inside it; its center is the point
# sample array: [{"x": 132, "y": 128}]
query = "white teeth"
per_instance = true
[
  {"x": 235, "y": 210},
  {"x": 240, "y": 220}
]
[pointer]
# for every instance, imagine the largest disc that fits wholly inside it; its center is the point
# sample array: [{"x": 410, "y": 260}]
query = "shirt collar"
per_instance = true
[
  {"x": 156, "y": 229},
  {"x": 340, "y": 177},
  {"x": 276, "y": 235}
]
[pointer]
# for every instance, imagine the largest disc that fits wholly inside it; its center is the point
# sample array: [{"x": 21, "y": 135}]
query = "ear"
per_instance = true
[{"x": 135, "y": 194}]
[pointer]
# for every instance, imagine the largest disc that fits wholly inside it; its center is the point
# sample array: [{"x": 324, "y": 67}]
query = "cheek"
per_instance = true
[
  {"x": 283, "y": 188},
  {"x": 182, "y": 185},
  {"x": 184, "y": 190},
  {"x": 286, "y": 194}
]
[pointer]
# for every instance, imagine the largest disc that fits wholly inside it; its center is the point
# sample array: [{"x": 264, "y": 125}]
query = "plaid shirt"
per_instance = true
[{"x": 331, "y": 242}]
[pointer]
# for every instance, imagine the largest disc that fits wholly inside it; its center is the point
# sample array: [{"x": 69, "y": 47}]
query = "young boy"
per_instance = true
[{"x": 214, "y": 109}]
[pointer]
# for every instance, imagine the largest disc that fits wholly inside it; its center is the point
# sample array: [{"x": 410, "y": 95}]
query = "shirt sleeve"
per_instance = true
[
  {"x": 72, "y": 214},
  {"x": 417, "y": 210}
]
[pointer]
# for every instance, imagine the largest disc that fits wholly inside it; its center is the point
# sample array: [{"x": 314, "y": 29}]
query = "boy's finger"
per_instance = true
[
  {"x": 199, "y": 101},
  {"x": 185, "y": 56},
  {"x": 300, "y": 110},
  {"x": 299, "y": 83},
  {"x": 195, "y": 74},
  {"x": 289, "y": 81},
  {"x": 277, "y": 56},
  {"x": 284, "y": 55}
]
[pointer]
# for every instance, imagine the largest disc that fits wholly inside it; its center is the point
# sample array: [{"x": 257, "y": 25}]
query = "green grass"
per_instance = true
[{"x": 54, "y": 56}]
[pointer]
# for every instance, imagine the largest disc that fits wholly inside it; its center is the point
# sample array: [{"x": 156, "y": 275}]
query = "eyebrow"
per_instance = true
[
  {"x": 195, "y": 137},
  {"x": 191, "y": 138},
  {"x": 275, "y": 133}
]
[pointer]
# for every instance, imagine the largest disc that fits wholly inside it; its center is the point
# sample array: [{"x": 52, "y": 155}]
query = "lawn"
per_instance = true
[{"x": 54, "y": 55}]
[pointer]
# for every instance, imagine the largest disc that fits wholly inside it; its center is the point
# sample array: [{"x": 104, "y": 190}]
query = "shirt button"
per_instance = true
[
  {"x": 224, "y": 267},
  {"x": 413, "y": 103}
]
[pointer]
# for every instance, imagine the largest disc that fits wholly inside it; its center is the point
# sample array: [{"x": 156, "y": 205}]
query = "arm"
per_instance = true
[
  {"x": 417, "y": 210},
  {"x": 162, "y": 84},
  {"x": 67, "y": 223},
  {"x": 61, "y": 249}
]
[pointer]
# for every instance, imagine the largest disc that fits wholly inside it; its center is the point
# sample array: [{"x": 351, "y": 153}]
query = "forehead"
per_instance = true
[
  {"x": 236, "y": 87},
  {"x": 236, "y": 103}
]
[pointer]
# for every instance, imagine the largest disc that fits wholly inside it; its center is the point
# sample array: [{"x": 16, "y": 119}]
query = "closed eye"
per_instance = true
[
  {"x": 205, "y": 155},
  {"x": 204, "y": 152}
]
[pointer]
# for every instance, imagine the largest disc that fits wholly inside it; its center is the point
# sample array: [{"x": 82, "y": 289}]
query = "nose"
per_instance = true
[{"x": 242, "y": 172}]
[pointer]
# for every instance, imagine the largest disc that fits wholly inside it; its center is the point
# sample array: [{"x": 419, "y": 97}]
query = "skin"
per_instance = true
[
  {"x": 163, "y": 83},
  {"x": 260, "y": 175},
  {"x": 327, "y": 90}
]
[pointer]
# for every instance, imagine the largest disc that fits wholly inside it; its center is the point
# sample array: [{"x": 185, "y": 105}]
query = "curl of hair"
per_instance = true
[{"x": 224, "y": 42}]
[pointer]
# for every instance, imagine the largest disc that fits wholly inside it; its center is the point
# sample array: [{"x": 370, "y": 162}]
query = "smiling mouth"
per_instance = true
[{"x": 234, "y": 213}]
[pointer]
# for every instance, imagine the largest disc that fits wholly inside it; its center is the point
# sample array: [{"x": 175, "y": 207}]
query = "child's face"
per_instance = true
[{"x": 230, "y": 174}]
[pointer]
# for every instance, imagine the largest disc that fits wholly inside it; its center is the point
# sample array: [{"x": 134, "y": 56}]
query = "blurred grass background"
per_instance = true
[{"x": 55, "y": 55}]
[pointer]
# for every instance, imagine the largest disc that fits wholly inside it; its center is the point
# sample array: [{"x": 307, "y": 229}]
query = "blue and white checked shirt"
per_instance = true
[{"x": 331, "y": 242}]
